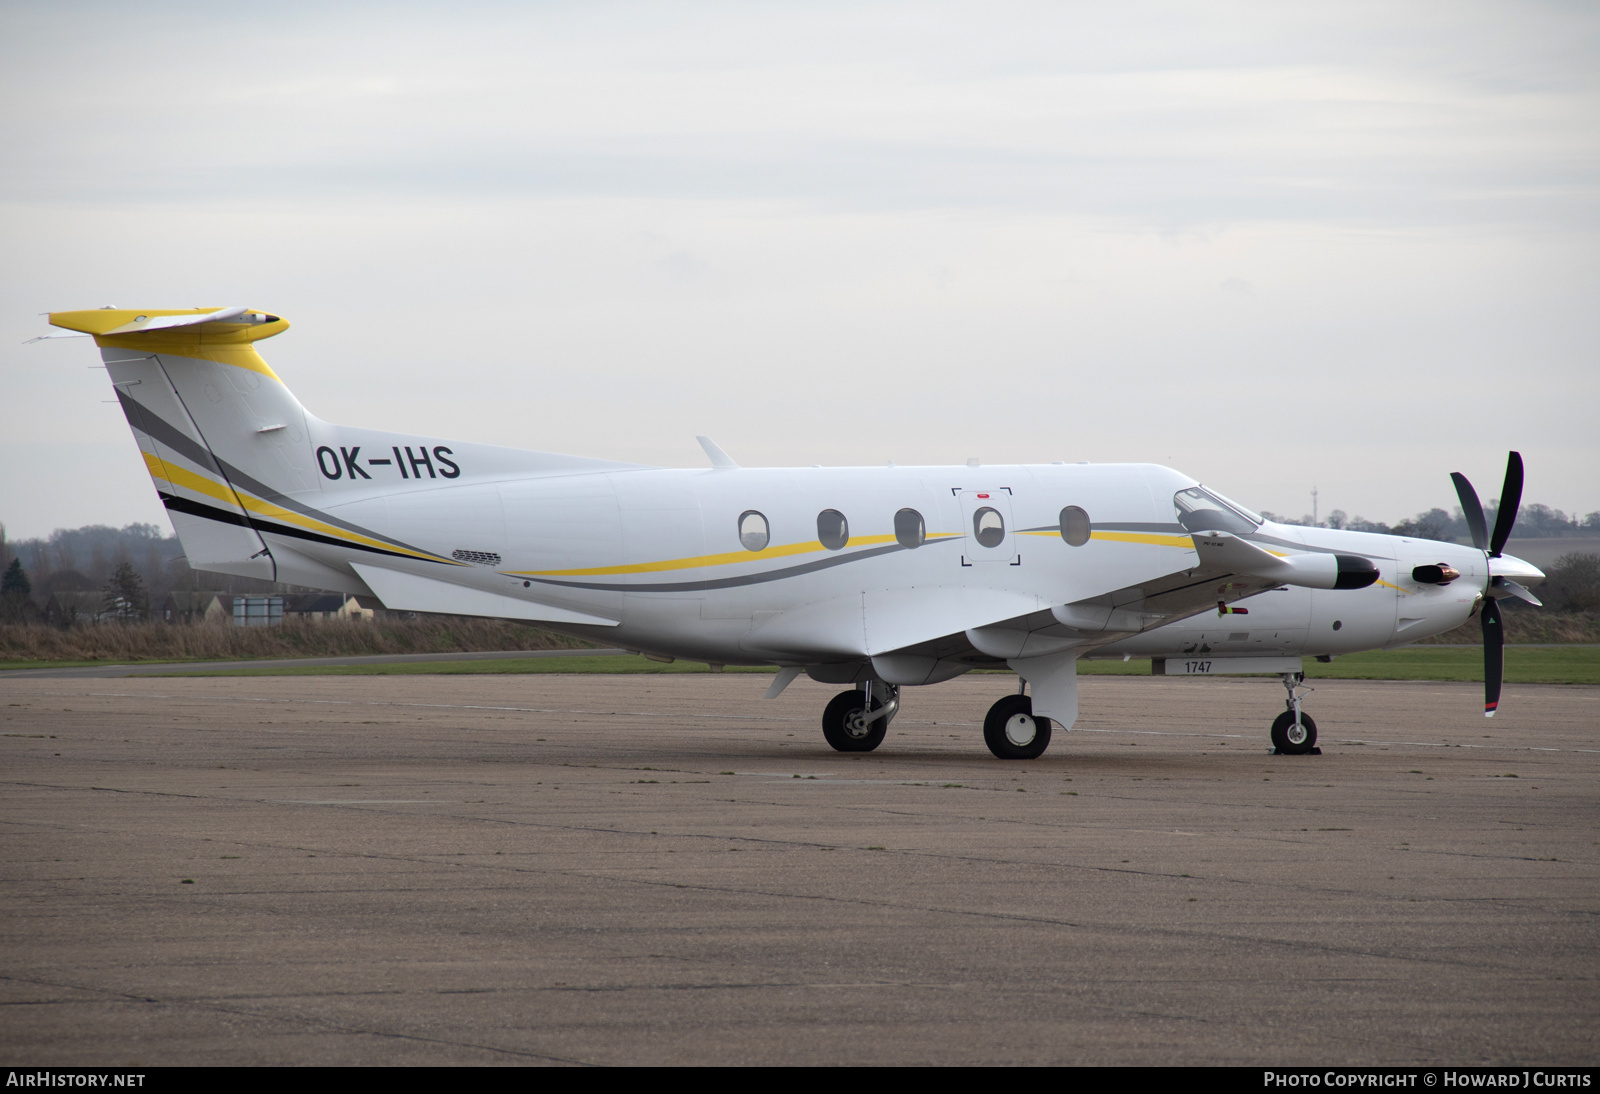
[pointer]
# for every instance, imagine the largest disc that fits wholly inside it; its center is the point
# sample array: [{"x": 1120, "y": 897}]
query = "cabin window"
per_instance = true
[
  {"x": 1074, "y": 526},
  {"x": 832, "y": 529},
  {"x": 988, "y": 527},
  {"x": 753, "y": 531},
  {"x": 909, "y": 530}
]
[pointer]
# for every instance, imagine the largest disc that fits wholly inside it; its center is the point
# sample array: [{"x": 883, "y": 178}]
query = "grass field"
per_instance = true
[
  {"x": 616, "y": 664},
  {"x": 1525, "y": 665},
  {"x": 1537, "y": 665}
]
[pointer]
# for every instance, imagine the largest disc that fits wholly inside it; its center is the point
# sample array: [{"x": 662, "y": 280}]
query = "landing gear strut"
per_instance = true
[
  {"x": 1012, "y": 732},
  {"x": 856, "y": 720},
  {"x": 1293, "y": 732}
]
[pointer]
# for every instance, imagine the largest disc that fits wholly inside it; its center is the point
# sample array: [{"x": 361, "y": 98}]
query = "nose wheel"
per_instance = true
[{"x": 1293, "y": 731}]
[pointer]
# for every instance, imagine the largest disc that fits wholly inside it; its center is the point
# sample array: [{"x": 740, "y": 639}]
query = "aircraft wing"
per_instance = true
[
  {"x": 1225, "y": 569},
  {"x": 1095, "y": 621},
  {"x": 976, "y": 625}
]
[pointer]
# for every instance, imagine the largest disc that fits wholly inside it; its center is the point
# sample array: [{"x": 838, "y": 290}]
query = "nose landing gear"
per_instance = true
[{"x": 1293, "y": 731}]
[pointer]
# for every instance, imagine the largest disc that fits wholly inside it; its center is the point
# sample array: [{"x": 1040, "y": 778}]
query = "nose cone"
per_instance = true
[{"x": 1515, "y": 569}]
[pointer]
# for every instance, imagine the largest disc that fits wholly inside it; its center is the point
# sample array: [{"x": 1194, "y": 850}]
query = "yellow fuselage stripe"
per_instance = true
[
  {"x": 729, "y": 558},
  {"x": 1126, "y": 537},
  {"x": 1144, "y": 537},
  {"x": 162, "y": 471},
  {"x": 178, "y": 476}
]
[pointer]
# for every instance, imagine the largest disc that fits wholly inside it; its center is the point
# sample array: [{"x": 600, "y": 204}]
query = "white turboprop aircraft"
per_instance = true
[{"x": 873, "y": 577}]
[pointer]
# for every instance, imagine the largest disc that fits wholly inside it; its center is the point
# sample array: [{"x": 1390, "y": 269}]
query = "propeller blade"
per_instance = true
[
  {"x": 1494, "y": 656},
  {"x": 1510, "y": 499},
  {"x": 1472, "y": 510},
  {"x": 1506, "y": 585}
]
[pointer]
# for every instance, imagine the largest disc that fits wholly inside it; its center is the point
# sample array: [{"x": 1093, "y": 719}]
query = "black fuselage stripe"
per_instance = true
[
  {"x": 200, "y": 509},
  {"x": 222, "y": 516}
]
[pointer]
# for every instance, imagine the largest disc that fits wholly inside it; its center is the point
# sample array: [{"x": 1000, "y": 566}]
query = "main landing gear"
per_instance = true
[
  {"x": 856, "y": 720},
  {"x": 1293, "y": 732},
  {"x": 1012, "y": 732}
]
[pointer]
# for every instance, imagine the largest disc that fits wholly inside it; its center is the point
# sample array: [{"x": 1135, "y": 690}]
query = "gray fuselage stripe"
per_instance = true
[
  {"x": 165, "y": 433},
  {"x": 743, "y": 580}
]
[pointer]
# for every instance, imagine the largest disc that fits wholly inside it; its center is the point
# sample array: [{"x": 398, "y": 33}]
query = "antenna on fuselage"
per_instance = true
[{"x": 720, "y": 460}]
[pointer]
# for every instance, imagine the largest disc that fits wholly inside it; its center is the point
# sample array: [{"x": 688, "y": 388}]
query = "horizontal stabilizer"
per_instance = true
[
  {"x": 140, "y": 324},
  {"x": 410, "y": 593},
  {"x": 235, "y": 324}
]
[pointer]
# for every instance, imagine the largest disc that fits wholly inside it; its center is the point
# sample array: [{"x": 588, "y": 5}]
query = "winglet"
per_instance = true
[{"x": 720, "y": 460}]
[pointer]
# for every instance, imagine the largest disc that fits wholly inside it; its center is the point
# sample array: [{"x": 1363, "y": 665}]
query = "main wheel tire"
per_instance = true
[
  {"x": 1012, "y": 732},
  {"x": 1292, "y": 740},
  {"x": 845, "y": 727}
]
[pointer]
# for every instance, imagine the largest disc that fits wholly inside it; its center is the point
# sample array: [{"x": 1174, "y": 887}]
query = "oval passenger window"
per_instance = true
[
  {"x": 832, "y": 529},
  {"x": 753, "y": 531},
  {"x": 989, "y": 527},
  {"x": 1074, "y": 526},
  {"x": 909, "y": 531}
]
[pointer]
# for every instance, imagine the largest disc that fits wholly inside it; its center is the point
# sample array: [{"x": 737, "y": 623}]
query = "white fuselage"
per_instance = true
[
  {"x": 923, "y": 572},
  {"x": 659, "y": 550}
]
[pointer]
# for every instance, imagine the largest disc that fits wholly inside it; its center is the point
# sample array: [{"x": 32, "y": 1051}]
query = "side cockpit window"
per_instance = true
[{"x": 1199, "y": 510}]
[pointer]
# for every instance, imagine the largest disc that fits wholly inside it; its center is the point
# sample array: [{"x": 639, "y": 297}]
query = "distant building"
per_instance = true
[
  {"x": 257, "y": 611},
  {"x": 69, "y": 607},
  {"x": 197, "y": 607},
  {"x": 270, "y": 611},
  {"x": 326, "y": 607}
]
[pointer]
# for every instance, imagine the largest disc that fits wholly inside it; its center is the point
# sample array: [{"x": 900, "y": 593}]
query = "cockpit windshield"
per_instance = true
[{"x": 1199, "y": 510}]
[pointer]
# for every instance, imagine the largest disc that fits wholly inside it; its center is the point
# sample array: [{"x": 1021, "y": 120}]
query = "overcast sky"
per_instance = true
[{"x": 1273, "y": 245}]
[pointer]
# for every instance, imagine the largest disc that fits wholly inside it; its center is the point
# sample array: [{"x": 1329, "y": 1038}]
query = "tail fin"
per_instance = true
[
  {"x": 218, "y": 430},
  {"x": 257, "y": 486}
]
